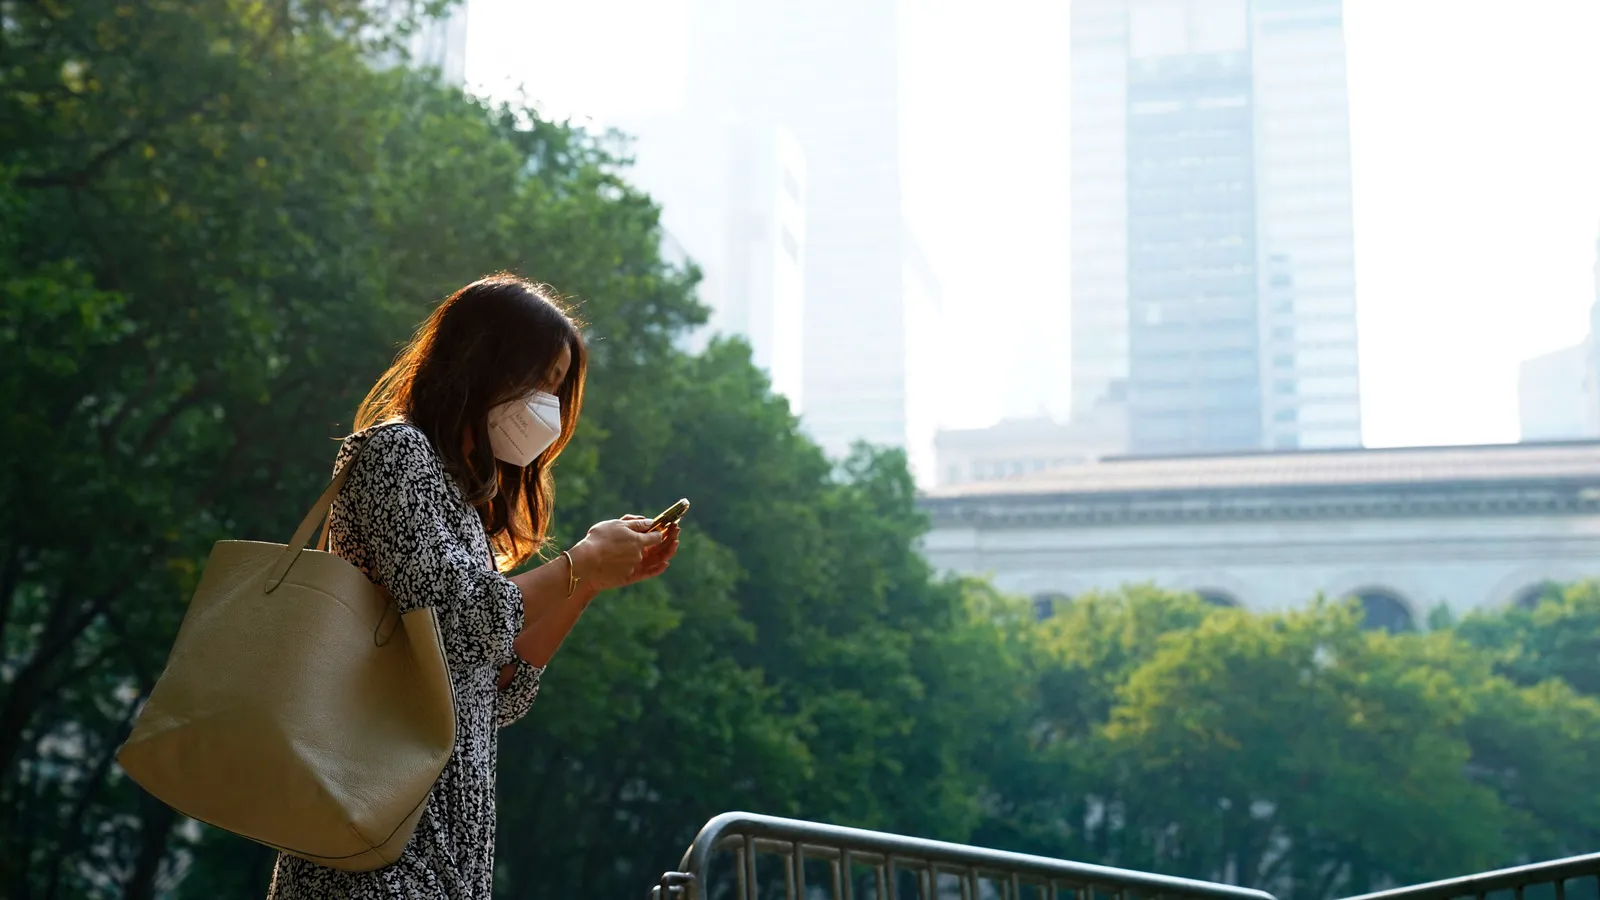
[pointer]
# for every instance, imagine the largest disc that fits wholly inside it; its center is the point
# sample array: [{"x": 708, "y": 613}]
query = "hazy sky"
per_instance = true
[{"x": 1476, "y": 131}]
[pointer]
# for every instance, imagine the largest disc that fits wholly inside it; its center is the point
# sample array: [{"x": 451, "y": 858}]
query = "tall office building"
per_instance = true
[
  {"x": 828, "y": 70},
  {"x": 732, "y": 197},
  {"x": 1592, "y": 370},
  {"x": 439, "y": 43},
  {"x": 1213, "y": 287},
  {"x": 1558, "y": 394},
  {"x": 1556, "y": 397},
  {"x": 764, "y": 287}
]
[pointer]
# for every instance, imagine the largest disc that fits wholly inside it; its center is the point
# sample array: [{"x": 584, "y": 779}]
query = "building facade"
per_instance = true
[
  {"x": 442, "y": 44},
  {"x": 926, "y": 366},
  {"x": 1556, "y": 398},
  {"x": 732, "y": 196},
  {"x": 1213, "y": 288},
  {"x": 828, "y": 71},
  {"x": 1403, "y": 530},
  {"x": 1558, "y": 393},
  {"x": 1023, "y": 445},
  {"x": 779, "y": 177}
]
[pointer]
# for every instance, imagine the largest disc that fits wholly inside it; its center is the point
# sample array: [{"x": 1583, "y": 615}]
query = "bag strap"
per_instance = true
[{"x": 318, "y": 514}]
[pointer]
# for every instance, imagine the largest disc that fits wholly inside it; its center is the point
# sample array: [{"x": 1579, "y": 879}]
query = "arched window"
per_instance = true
[
  {"x": 1385, "y": 609},
  {"x": 1044, "y": 603},
  {"x": 1217, "y": 597},
  {"x": 1530, "y": 596}
]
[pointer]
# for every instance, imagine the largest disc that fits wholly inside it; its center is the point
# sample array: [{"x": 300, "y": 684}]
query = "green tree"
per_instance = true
[
  {"x": 804, "y": 665},
  {"x": 1048, "y": 787},
  {"x": 220, "y": 219},
  {"x": 1539, "y": 721},
  {"x": 1296, "y": 752},
  {"x": 217, "y": 220},
  {"x": 1557, "y": 637},
  {"x": 1301, "y": 753}
]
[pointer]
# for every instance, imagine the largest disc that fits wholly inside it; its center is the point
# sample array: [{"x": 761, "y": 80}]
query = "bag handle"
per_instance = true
[{"x": 318, "y": 514}]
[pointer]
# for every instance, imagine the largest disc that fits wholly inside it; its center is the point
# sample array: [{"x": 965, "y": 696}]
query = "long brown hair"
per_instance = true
[{"x": 491, "y": 342}]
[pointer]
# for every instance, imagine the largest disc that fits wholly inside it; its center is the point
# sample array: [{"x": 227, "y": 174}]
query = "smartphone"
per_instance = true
[{"x": 670, "y": 516}]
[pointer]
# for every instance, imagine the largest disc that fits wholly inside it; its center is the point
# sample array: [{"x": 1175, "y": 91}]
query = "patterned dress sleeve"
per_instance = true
[
  {"x": 514, "y": 702},
  {"x": 398, "y": 491}
]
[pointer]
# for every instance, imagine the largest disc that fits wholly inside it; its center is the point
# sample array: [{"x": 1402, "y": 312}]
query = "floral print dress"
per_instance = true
[{"x": 403, "y": 521}]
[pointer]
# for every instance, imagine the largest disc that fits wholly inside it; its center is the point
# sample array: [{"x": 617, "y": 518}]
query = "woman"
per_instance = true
[{"x": 453, "y": 487}]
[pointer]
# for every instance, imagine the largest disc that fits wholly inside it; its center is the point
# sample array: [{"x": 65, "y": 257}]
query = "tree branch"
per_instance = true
[
  {"x": 69, "y": 632},
  {"x": 10, "y": 576},
  {"x": 79, "y": 671},
  {"x": 1267, "y": 871},
  {"x": 86, "y": 173},
  {"x": 157, "y": 823},
  {"x": 165, "y": 421},
  {"x": 28, "y": 687},
  {"x": 93, "y": 783},
  {"x": 1330, "y": 877},
  {"x": 129, "y": 403}
]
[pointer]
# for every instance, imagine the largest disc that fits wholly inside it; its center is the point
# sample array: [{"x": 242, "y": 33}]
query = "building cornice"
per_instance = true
[{"x": 1387, "y": 501}]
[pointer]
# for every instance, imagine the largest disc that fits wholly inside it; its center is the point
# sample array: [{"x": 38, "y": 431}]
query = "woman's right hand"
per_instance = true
[{"x": 608, "y": 556}]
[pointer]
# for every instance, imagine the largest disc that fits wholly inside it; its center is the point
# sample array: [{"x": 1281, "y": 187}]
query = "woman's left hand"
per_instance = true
[{"x": 656, "y": 558}]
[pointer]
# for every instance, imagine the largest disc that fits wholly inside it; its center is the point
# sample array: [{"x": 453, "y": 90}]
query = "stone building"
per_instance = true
[{"x": 1404, "y": 530}]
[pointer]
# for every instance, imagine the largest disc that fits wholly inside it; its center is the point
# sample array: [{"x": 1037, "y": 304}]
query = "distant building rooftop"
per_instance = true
[{"x": 1566, "y": 461}]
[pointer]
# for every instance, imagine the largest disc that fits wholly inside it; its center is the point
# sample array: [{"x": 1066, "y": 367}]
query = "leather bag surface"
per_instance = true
[{"x": 298, "y": 708}]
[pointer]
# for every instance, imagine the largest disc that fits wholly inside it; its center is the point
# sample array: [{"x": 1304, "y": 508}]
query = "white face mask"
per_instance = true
[{"x": 521, "y": 430}]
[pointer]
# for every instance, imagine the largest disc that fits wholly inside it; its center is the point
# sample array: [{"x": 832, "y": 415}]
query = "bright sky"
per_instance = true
[{"x": 1476, "y": 165}]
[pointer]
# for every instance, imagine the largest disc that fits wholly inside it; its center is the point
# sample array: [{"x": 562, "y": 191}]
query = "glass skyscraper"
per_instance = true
[
  {"x": 438, "y": 43},
  {"x": 829, "y": 72},
  {"x": 1213, "y": 289}
]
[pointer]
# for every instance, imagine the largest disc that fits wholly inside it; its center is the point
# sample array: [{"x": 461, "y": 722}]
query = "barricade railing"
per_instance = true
[
  {"x": 854, "y": 864},
  {"x": 1573, "y": 878}
]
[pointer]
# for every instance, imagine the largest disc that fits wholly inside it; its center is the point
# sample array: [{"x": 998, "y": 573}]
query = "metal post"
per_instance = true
[
  {"x": 788, "y": 878},
  {"x": 750, "y": 868},
  {"x": 798, "y": 861},
  {"x": 681, "y": 883}
]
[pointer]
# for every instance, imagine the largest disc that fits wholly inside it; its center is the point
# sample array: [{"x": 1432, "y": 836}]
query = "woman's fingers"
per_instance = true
[
  {"x": 664, "y": 550},
  {"x": 641, "y": 526}
]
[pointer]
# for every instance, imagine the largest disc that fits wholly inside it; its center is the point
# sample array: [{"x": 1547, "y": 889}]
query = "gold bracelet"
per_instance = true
[{"x": 572, "y": 575}]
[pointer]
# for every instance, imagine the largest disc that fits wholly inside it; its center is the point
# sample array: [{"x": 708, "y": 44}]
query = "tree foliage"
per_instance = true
[{"x": 218, "y": 218}]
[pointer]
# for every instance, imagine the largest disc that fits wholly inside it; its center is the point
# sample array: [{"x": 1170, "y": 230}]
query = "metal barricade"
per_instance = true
[
  {"x": 1539, "y": 881},
  {"x": 978, "y": 873}
]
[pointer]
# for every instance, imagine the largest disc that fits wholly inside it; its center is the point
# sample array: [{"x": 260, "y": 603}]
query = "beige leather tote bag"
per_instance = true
[{"x": 297, "y": 708}]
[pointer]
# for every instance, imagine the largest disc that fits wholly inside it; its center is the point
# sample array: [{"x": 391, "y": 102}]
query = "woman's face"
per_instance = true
[
  {"x": 558, "y": 371},
  {"x": 551, "y": 383}
]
